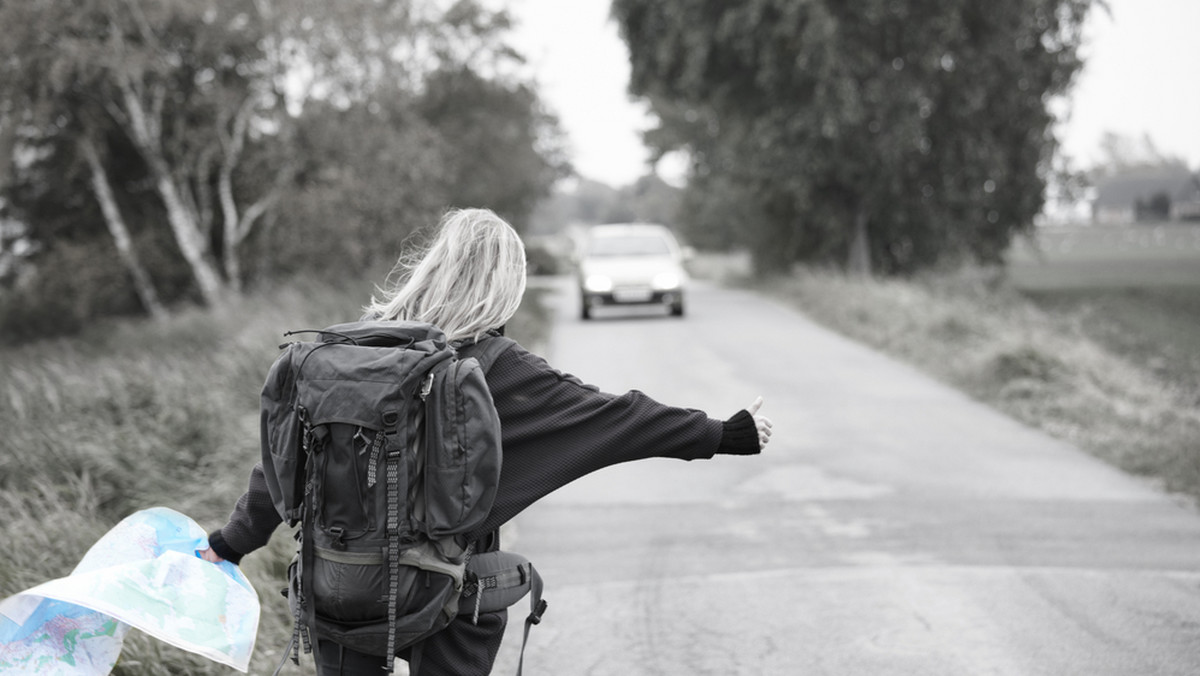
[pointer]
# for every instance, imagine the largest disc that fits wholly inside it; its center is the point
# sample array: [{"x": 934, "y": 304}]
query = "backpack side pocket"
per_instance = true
[
  {"x": 463, "y": 453},
  {"x": 281, "y": 438}
]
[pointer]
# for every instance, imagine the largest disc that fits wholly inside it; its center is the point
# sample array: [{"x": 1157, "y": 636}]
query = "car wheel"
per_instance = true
[
  {"x": 677, "y": 309},
  {"x": 585, "y": 310}
]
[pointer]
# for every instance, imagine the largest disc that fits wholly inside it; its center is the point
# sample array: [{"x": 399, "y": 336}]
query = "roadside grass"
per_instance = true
[
  {"x": 1055, "y": 366},
  {"x": 1134, "y": 289},
  {"x": 139, "y": 414},
  {"x": 1156, "y": 328}
]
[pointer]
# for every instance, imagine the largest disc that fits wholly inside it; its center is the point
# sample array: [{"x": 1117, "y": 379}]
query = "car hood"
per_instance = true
[{"x": 631, "y": 269}]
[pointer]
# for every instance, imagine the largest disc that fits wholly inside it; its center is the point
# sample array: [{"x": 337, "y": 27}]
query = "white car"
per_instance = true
[{"x": 631, "y": 263}]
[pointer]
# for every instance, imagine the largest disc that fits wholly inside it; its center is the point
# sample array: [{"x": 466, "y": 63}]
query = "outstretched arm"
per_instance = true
[{"x": 557, "y": 428}]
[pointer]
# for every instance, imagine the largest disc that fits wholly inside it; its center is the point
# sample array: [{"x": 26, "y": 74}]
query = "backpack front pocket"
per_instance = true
[{"x": 343, "y": 490}]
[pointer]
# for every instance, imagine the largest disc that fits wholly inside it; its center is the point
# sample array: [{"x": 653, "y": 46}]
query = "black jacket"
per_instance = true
[{"x": 555, "y": 429}]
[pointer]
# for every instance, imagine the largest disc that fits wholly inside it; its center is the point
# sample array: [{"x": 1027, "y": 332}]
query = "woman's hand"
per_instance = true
[
  {"x": 762, "y": 423},
  {"x": 210, "y": 556}
]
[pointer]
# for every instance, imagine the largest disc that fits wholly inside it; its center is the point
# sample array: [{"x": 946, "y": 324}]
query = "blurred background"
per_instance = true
[
  {"x": 1005, "y": 194},
  {"x": 170, "y": 155}
]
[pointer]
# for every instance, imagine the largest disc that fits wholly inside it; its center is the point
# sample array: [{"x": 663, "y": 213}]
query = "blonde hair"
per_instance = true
[{"x": 468, "y": 281}]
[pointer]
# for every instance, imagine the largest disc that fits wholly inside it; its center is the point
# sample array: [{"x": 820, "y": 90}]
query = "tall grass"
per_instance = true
[
  {"x": 1044, "y": 369},
  {"x": 1157, "y": 328},
  {"x": 139, "y": 414}
]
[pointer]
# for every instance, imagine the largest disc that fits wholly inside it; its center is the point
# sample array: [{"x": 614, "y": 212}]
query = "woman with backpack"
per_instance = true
[{"x": 554, "y": 428}]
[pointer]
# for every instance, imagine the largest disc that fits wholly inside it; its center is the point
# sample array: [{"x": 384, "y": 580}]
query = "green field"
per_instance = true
[
  {"x": 1108, "y": 257},
  {"x": 1135, "y": 289}
]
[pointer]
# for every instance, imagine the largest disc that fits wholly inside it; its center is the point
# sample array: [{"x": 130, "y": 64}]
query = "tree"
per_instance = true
[
  {"x": 180, "y": 82},
  {"x": 142, "y": 283},
  {"x": 885, "y": 134},
  {"x": 233, "y": 137},
  {"x": 501, "y": 149},
  {"x": 470, "y": 132}
]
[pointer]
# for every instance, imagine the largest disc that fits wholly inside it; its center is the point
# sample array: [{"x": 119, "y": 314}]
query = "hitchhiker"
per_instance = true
[{"x": 553, "y": 427}]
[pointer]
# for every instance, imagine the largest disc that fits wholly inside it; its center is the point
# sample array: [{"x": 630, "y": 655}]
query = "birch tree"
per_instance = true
[
  {"x": 202, "y": 108},
  {"x": 184, "y": 83}
]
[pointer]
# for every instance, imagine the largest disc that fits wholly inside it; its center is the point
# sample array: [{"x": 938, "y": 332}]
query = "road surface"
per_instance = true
[{"x": 893, "y": 526}]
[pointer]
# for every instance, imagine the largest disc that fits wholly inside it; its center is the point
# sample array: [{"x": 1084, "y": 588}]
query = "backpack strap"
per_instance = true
[
  {"x": 487, "y": 350},
  {"x": 394, "y": 447},
  {"x": 537, "y": 608},
  {"x": 504, "y": 577},
  {"x": 305, "y": 613}
]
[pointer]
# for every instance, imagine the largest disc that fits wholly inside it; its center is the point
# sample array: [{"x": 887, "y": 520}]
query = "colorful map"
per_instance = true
[{"x": 144, "y": 573}]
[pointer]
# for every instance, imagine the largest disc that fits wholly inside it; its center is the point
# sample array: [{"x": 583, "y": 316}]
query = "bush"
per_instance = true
[{"x": 541, "y": 260}]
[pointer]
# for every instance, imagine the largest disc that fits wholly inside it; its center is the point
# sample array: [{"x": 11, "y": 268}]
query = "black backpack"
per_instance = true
[{"x": 383, "y": 444}]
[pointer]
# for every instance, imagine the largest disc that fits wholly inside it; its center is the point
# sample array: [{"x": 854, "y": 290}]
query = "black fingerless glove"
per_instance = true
[
  {"x": 739, "y": 435},
  {"x": 216, "y": 542}
]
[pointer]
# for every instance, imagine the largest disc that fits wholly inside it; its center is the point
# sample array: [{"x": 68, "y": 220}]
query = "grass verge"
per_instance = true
[
  {"x": 1049, "y": 368},
  {"x": 133, "y": 415}
]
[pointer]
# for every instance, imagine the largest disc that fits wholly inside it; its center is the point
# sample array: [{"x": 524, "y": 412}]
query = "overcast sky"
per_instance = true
[{"x": 1142, "y": 76}]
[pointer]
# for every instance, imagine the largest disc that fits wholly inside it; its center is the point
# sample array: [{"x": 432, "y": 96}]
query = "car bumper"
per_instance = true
[{"x": 633, "y": 297}]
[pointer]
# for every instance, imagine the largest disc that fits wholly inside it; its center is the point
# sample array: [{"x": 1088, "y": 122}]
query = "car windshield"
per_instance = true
[{"x": 629, "y": 245}]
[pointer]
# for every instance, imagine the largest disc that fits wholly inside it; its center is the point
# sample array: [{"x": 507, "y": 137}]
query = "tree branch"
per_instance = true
[
  {"x": 264, "y": 203},
  {"x": 142, "y": 283},
  {"x": 143, "y": 26},
  {"x": 137, "y": 122},
  {"x": 158, "y": 97},
  {"x": 202, "y": 173}
]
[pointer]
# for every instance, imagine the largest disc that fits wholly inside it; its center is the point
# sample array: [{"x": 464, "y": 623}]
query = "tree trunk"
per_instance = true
[
  {"x": 191, "y": 242},
  {"x": 237, "y": 227},
  {"x": 232, "y": 144},
  {"x": 231, "y": 225},
  {"x": 184, "y": 222},
  {"x": 142, "y": 283},
  {"x": 859, "y": 260}
]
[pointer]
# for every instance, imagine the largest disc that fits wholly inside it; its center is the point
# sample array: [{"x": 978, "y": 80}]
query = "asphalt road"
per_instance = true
[{"x": 893, "y": 525}]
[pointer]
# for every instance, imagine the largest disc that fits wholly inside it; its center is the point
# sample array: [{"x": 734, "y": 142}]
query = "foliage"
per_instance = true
[
  {"x": 358, "y": 195},
  {"x": 588, "y": 202},
  {"x": 196, "y": 147},
  {"x": 509, "y": 151},
  {"x": 887, "y": 134},
  {"x": 176, "y": 84}
]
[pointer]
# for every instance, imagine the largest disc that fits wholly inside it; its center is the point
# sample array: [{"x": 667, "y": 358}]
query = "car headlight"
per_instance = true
[
  {"x": 598, "y": 283},
  {"x": 666, "y": 280}
]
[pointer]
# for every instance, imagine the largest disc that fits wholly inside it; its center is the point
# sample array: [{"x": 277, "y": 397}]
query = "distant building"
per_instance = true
[
  {"x": 1186, "y": 205},
  {"x": 1160, "y": 193}
]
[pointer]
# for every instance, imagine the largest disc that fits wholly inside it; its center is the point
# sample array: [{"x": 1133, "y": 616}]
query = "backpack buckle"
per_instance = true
[
  {"x": 535, "y": 615},
  {"x": 391, "y": 421},
  {"x": 339, "y": 537}
]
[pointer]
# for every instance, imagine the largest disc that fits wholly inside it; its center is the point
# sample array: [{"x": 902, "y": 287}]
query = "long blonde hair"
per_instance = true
[{"x": 468, "y": 281}]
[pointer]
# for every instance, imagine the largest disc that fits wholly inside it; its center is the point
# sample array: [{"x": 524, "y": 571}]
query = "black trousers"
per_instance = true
[{"x": 461, "y": 649}]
